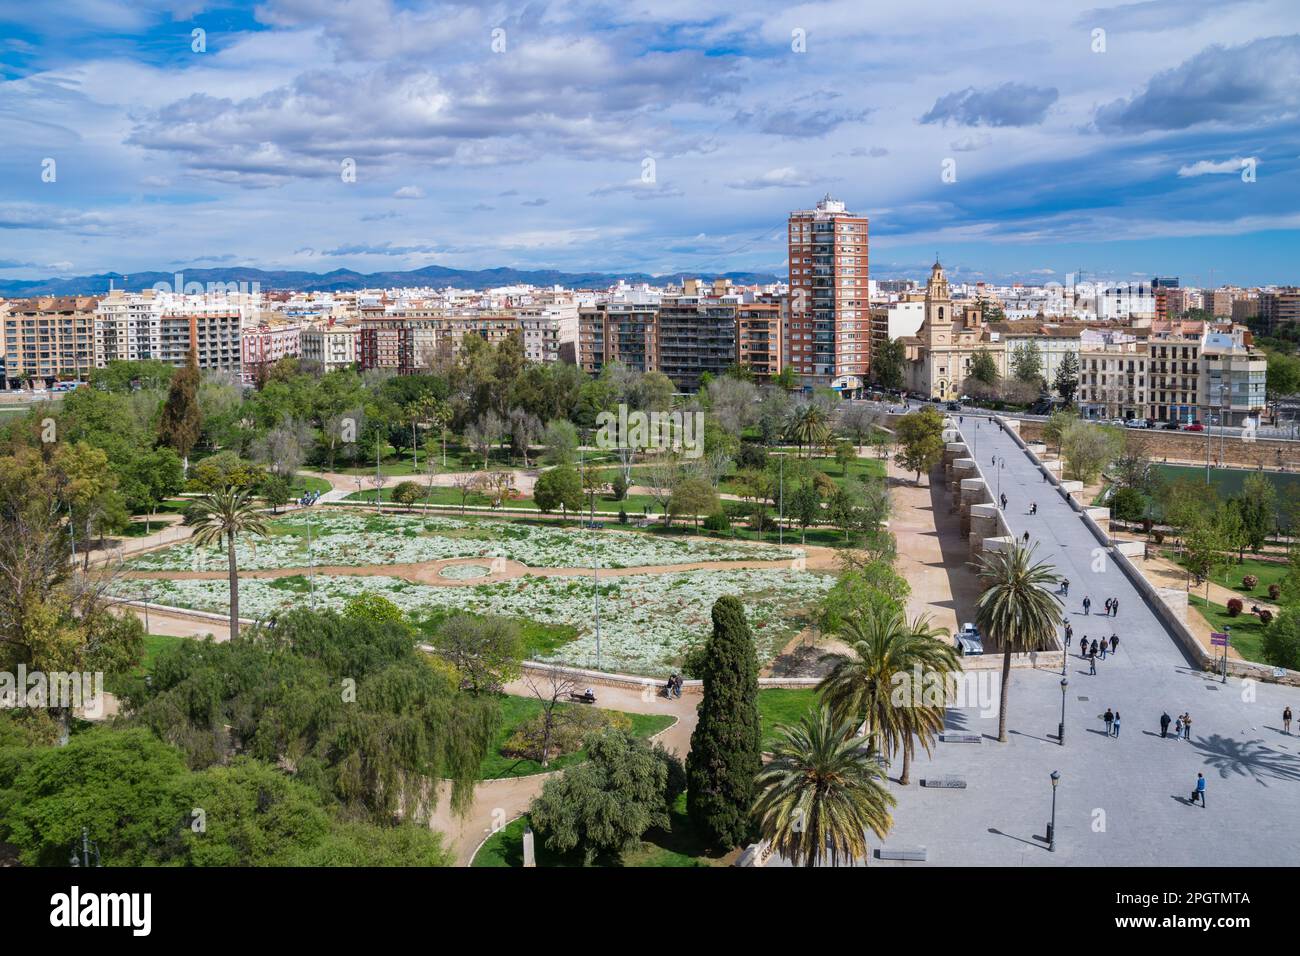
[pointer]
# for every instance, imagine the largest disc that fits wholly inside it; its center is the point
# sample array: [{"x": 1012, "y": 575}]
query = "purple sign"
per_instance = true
[{"x": 1218, "y": 640}]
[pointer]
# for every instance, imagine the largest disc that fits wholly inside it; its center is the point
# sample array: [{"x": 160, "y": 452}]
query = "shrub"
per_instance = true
[
  {"x": 1234, "y": 607},
  {"x": 619, "y": 486},
  {"x": 1249, "y": 582},
  {"x": 567, "y": 734},
  {"x": 718, "y": 521},
  {"x": 622, "y": 516},
  {"x": 1265, "y": 617},
  {"x": 1274, "y": 591},
  {"x": 752, "y": 455}
]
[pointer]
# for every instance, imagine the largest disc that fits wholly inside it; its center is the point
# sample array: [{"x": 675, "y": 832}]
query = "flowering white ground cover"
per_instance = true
[
  {"x": 646, "y": 620},
  {"x": 350, "y": 539}
]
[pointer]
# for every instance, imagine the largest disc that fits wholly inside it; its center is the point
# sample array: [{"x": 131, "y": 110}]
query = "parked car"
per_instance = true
[
  {"x": 954, "y": 406},
  {"x": 968, "y": 640},
  {"x": 1136, "y": 423},
  {"x": 1194, "y": 427},
  {"x": 1170, "y": 426}
]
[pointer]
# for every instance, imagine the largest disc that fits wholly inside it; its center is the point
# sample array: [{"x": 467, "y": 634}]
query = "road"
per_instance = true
[{"x": 1121, "y": 801}]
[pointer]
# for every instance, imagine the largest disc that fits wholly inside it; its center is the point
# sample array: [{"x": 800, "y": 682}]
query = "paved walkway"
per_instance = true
[{"x": 1121, "y": 801}]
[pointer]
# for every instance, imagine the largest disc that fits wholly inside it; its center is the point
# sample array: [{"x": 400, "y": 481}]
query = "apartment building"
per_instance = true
[
  {"x": 697, "y": 333},
  {"x": 263, "y": 345},
  {"x": 162, "y": 326},
  {"x": 412, "y": 340},
  {"x": 550, "y": 332},
  {"x": 49, "y": 339},
  {"x": 1175, "y": 380},
  {"x": 758, "y": 338},
  {"x": 1113, "y": 375},
  {"x": 329, "y": 348},
  {"x": 1279, "y": 307},
  {"x": 829, "y": 328}
]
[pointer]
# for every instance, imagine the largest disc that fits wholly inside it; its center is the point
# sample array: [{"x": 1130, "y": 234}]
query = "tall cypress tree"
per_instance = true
[
  {"x": 725, "y": 747},
  {"x": 182, "y": 422}
]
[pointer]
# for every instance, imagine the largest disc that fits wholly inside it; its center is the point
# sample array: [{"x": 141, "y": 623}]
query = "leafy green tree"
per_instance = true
[
  {"x": 1257, "y": 504},
  {"x": 182, "y": 423},
  {"x": 984, "y": 367},
  {"x": 887, "y": 365},
  {"x": 1066, "y": 381},
  {"x": 561, "y": 441},
  {"x": 1281, "y": 640},
  {"x": 1127, "y": 504},
  {"x": 559, "y": 487},
  {"x": 805, "y": 506},
  {"x": 1088, "y": 449},
  {"x": 604, "y": 806},
  {"x": 275, "y": 491},
  {"x": 150, "y": 479},
  {"x": 809, "y": 426},
  {"x": 821, "y": 793},
  {"x": 351, "y": 703},
  {"x": 1027, "y": 363},
  {"x": 486, "y": 652},
  {"x": 920, "y": 440},
  {"x": 845, "y": 452},
  {"x": 725, "y": 754},
  {"x": 372, "y": 608},
  {"x": 1057, "y": 424},
  {"x": 1016, "y": 611},
  {"x": 694, "y": 497},
  {"x": 861, "y": 584},
  {"x": 227, "y": 514}
]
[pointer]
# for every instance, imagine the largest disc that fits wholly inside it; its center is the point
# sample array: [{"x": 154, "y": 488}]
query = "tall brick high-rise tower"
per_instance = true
[{"x": 829, "y": 327}]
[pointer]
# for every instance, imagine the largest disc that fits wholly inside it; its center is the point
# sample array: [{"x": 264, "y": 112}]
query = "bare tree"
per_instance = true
[
  {"x": 525, "y": 428},
  {"x": 552, "y": 686},
  {"x": 661, "y": 476},
  {"x": 466, "y": 482}
]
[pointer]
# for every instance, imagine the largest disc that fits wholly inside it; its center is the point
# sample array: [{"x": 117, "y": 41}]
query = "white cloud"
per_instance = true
[{"x": 1209, "y": 167}]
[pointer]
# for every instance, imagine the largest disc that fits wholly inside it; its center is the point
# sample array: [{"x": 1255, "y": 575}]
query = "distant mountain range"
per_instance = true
[{"x": 345, "y": 279}]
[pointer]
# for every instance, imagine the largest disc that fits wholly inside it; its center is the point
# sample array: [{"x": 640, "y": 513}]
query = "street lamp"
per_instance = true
[
  {"x": 1051, "y": 827},
  {"x": 1227, "y": 642},
  {"x": 1060, "y": 730}
]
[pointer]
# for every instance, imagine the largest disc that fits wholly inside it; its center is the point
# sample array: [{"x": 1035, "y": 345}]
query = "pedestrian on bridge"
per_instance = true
[
  {"x": 1165, "y": 720},
  {"x": 1114, "y": 643},
  {"x": 1187, "y": 727},
  {"x": 1117, "y": 723},
  {"x": 1087, "y": 604},
  {"x": 1199, "y": 792},
  {"x": 1026, "y": 539},
  {"x": 1109, "y": 717},
  {"x": 1286, "y": 714}
]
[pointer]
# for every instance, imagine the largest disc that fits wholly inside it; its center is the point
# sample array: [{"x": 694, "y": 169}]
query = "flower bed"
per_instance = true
[
  {"x": 350, "y": 539},
  {"x": 647, "y": 621}
]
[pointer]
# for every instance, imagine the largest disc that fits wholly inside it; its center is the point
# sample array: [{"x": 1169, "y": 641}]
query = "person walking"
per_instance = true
[
  {"x": 1114, "y": 606},
  {"x": 1165, "y": 721},
  {"x": 1114, "y": 643},
  {"x": 1026, "y": 539},
  {"x": 1083, "y": 647},
  {"x": 1094, "y": 649},
  {"x": 1187, "y": 727},
  {"x": 1106, "y": 605},
  {"x": 1199, "y": 792},
  {"x": 1092, "y": 663},
  {"x": 1003, "y": 499},
  {"x": 1065, "y": 586},
  {"x": 1105, "y": 646},
  {"x": 1286, "y": 720},
  {"x": 1117, "y": 723},
  {"x": 1178, "y": 727},
  {"x": 1109, "y": 717},
  {"x": 1087, "y": 604}
]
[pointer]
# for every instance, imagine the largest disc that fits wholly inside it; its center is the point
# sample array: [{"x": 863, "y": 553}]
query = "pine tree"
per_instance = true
[
  {"x": 1067, "y": 377},
  {"x": 725, "y": 752},
  {"x": 182, "y": 422}
]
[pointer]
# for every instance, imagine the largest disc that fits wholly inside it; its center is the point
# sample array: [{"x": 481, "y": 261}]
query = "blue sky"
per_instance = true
[{"x": 1106, "y": 139}]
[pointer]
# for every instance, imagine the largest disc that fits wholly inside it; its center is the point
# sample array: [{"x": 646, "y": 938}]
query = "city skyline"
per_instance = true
[{"x": 1120, "y": 155}]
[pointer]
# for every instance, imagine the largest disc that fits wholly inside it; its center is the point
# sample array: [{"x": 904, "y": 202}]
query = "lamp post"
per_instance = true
[
  {"x": 1051, "y": 827},
  {"x": 595, "y": 579},
  {"x": 1060, "y": 730},
  {"x": 1227, "y": 642}
]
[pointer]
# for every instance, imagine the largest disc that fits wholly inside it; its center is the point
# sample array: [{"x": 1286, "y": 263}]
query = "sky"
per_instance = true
[{"x": 1018, "y": 141}]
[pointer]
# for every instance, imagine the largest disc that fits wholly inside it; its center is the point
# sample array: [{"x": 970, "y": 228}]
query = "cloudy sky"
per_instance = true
[{"x": 1019, "y": 140}]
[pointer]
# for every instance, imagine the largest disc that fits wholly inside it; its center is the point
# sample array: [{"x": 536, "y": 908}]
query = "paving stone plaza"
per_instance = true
[{"x": 1121, "y": 801}]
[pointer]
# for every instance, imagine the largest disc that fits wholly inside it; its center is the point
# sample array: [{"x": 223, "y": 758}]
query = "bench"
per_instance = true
[
  {"x": 582, "y": 698},
  {"x": 912, "y": 854},
  {"x": 944, "y": 783},
  {"x": 959, "y": 738}
]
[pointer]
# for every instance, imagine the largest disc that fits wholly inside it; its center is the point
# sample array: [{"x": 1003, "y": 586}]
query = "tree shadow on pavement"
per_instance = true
[{"x": 1249, "y": 758}]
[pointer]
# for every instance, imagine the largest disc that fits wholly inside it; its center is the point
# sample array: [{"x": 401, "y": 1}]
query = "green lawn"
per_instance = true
[
  {"x": 516, "y": 710},
  {"x": 778, "y": 706},
  {"x": 154, "y": 644},
  {"x": 304, "y": 483},
  {"x": 1268, "y": 572},
  {"x": 1229, "y": 481},
  {"x": 1247, "y": 634},
  {"x": 676, "y": 847}
]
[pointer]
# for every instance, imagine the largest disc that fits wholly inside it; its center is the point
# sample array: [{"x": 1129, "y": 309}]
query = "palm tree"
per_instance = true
[
  {"x": 821, "y": 793},
  {"x": 808, "y": 426},
  {"x": 883, "y": 683},
  {"x": 227, "y": 513},
  {"x": 1016, "y": 610}
]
